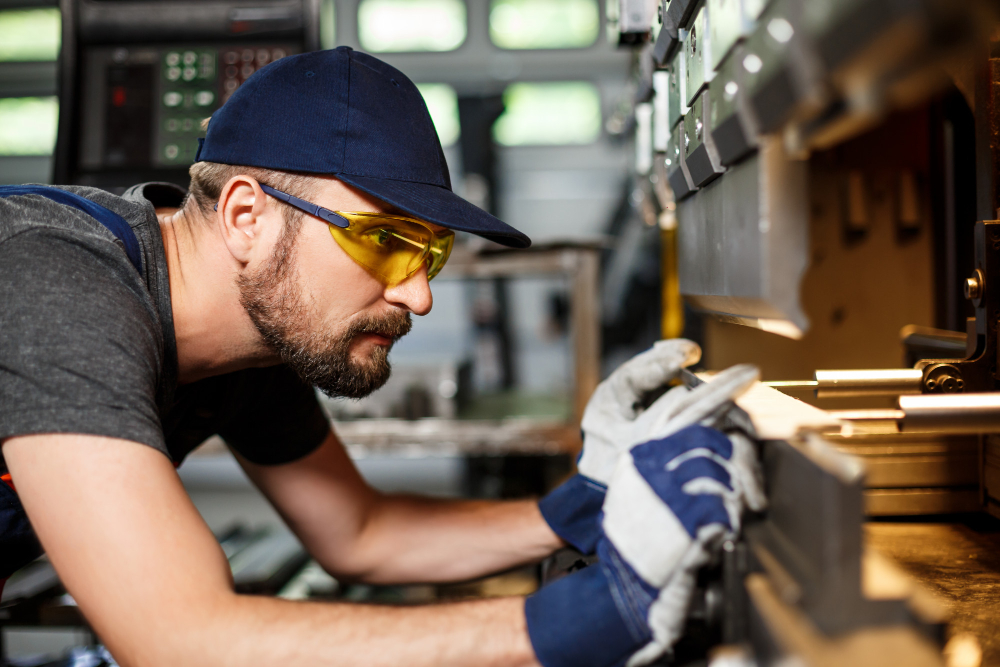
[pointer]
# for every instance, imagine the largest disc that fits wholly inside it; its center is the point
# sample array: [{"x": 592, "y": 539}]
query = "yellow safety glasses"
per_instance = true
[{"x": 391, "y": 247}]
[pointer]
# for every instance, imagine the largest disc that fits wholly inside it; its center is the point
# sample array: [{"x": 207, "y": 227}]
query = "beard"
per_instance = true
[{"x": 274, "y": 302}]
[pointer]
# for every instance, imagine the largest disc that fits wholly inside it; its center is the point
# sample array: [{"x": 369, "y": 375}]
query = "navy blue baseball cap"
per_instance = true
[{"x": 347, "y": 114}]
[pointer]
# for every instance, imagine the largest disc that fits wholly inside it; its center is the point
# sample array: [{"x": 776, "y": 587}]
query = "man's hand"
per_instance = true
[
  {"x": 669, "y": 502},
  {"x": 609, "y": 424},
  {"x": 614, "y": 421},
  {"x": 154, "y": 584}
]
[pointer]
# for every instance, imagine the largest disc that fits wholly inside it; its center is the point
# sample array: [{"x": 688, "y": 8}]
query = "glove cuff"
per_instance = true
[
  {"x": 572, "y": 511},
  {"x": 575, "y": 622}
]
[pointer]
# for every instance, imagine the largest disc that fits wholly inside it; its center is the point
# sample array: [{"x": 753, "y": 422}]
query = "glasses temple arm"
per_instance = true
[{"x": 323, "y": 214}]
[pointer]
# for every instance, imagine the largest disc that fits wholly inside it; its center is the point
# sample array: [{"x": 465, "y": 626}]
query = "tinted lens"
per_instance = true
[
  {"x": 439, "y": 251},
  {"x": 393, "y": 249}
]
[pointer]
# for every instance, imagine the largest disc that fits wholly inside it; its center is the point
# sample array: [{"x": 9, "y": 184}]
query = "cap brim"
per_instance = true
[{"x": 440, "y": 206}]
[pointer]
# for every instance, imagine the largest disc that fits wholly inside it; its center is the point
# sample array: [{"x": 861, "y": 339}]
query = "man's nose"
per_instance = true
[{"x": 413, "y": 294}]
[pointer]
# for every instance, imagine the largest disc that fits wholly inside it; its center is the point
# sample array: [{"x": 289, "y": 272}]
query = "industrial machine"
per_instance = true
[
  {"x": 137, "y": 78},
  {"x": 827, "y": 172},
  {"x": 796, "y": 152}
]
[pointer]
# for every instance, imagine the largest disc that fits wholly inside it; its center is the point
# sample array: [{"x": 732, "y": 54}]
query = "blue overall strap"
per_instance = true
[{"x": 114, "y": 222}]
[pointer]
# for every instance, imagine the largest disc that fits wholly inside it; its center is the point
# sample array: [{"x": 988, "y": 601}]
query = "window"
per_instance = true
[
  {"x": 29, "y": 34},
  {"x": 544, "y": 24},
  {"x": 565, "y": 112},
  {"x": 328, "y": 24},
  {"x": 411, "y": 25},
  {"x": 442, "y": 103},
  {"x": 28, "y": 125}
]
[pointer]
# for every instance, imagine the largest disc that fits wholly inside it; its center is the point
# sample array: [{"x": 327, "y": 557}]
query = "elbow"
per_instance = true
[{"x": 348, "y": 566}]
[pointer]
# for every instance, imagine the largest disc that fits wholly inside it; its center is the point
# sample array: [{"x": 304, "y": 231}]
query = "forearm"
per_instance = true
[
  {"x": 412, "y": 539},
  {"x": 245, "y": 630}
]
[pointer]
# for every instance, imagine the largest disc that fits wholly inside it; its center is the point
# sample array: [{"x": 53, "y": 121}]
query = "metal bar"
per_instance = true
[
  {"x": 791, "y": 384},
  {"x": 858, "y": 382},
  {"x": 867, "y": 415},
  {"x": 889, "y": 379},
  {"x": 951, "y": 413}
]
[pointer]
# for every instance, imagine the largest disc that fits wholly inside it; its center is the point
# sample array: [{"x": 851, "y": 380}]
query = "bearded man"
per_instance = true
[{"x": 132, "y": 328}]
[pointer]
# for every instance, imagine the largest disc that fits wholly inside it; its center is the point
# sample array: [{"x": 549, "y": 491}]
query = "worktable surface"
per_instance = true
[{"x": 958, "y": 558}]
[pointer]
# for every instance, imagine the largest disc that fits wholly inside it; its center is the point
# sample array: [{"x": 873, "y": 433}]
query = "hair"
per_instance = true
[{"x": 208, "y": 179}]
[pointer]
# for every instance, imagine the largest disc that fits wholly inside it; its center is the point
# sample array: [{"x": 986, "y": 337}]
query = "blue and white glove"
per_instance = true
[
  {"x": 614, "y": 421},
  {"x": 669, "y": 502},
  {"x": 609, "y": 426}
]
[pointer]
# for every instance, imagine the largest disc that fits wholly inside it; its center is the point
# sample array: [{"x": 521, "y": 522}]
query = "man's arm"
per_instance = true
[
  {"x": 357, "y": 532},
  {"x": 149, "y": 576}
]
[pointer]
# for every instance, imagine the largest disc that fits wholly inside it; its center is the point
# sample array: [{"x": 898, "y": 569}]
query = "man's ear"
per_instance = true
[{"x": 238, "y": 215}]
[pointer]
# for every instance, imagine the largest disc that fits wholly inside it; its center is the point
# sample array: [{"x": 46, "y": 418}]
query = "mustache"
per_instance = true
[{"x": 395, "y": 325}]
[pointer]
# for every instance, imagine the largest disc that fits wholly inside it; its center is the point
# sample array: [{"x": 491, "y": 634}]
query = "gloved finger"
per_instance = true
[
  {"x": 705, "y": 400},
  {"x": 665, "y": 451},
  {"x": 746, "y": 467},
  {"x": 650, "y": 370},
  {"x": 700, "y": 467},
  {"x": 661, "y": 410},
  {"x": 668, "y": 478}
]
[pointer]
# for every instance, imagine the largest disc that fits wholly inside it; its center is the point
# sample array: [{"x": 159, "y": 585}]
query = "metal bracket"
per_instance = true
[{"x": 978, "y": 372}]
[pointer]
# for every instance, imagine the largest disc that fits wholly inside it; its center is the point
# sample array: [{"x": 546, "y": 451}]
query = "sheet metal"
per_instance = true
[{"x": 744, "y": 242}]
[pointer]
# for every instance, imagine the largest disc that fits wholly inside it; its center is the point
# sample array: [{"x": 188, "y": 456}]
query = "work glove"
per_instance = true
[
  {"x": 608, "y": 426},
  {"x": 614, "y": 421},
  {"x": 670, "y": 502}
]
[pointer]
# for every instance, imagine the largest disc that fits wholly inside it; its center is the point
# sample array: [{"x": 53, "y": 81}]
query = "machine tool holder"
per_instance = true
[{"x": 978, "y": 371}]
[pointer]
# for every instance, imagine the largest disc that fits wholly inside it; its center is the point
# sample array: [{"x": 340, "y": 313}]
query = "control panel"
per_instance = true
[
  {"x": 134, "y": 100},
  {"x": 144, "y": 106}
]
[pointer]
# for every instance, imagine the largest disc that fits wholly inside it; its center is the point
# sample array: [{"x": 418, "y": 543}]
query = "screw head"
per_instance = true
[{"x": 973, "y": 286}]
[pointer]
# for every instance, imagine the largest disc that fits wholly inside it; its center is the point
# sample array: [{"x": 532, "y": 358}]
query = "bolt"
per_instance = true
[{"x": 974, "y": 285}]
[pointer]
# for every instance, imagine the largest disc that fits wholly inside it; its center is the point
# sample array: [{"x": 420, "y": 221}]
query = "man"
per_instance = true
[{"x": 135, "y": 327}]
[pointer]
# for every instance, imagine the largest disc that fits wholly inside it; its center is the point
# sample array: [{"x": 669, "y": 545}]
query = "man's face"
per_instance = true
[{"x": 324, "y": 314}]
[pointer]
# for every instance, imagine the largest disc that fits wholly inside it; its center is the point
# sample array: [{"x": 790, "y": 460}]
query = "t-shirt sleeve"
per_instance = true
[
  {"x": 80, "y": 346},
  {"x": 279, "y": 419}
]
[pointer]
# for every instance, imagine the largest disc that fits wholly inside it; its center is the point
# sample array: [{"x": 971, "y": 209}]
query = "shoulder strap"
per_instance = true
[{"x": 114, "y": 222}]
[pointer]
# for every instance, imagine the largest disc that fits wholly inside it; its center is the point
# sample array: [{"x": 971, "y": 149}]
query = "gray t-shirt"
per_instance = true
[{"x": 87, "y": 343}]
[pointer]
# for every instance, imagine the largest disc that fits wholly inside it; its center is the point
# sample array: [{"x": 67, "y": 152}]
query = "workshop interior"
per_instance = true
[{"x": 810, "y": 186}]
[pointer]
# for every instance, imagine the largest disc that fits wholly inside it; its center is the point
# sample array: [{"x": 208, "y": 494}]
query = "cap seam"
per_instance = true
[{"x": 440, "y": 164}]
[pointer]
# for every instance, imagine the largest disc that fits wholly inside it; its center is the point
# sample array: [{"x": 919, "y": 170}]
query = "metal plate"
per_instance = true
[
  {"x": 701, "y": 157},
  {"x": 768, "y": 75},
  {"x": 678, "y": 12},
  {"x": 680, "y": 180},
  {"x": 726, "y": 26},
  {"x": 732, "y": 128},
  {"x": 917, "y": 502},
  {"x": 744, "y": 241},
  {"x": 695, "y": 49},
  {"x": 677, "y": 100}
]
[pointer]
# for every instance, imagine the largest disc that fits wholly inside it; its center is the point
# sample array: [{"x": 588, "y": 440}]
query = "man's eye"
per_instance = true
[{"x": 380, "y": 237}]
